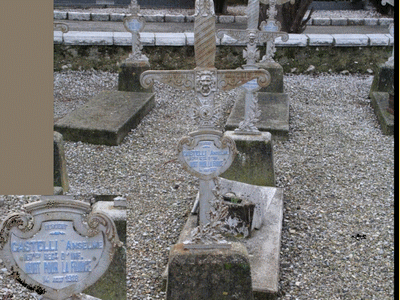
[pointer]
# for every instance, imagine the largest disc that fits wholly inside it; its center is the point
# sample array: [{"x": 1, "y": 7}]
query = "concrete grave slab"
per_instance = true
[
  {"x": 263, "y": 246},
  {"x": 276, "y": 71},
  {"x": 170, "y": 39},
  {"x": 295, "y": 40},
  {"x": 57, "y": 37},
  {"x": 322, "y": 21},
  {"x": 274, "y": 114},
  {"x": 100, "y": 17},
  {"x": 78, "y": 16},
  {"x": 338, "y": 21},
  {"x": 107, "y": 118},
  {"x": 383, "y": 80}
]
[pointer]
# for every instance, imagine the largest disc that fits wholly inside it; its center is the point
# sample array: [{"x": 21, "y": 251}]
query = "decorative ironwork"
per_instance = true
[{"x": 61, "y": 26}]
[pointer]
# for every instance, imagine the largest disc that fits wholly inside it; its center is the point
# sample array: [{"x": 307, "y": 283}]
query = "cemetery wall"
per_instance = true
[{"x": 293, "y": 59}]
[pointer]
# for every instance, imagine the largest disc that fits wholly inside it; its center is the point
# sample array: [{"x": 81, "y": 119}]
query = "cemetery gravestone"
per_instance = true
[
  {"x": 206, "y": 80},
  {"x": 206, "y": 153},
  {"x": 254, "y": 164},
  {"x": 136, "y": 63},
  {"x": 272, "y": 102},
  {"x": 382, "y": 89},
  {"x": 58, "y": 247},
  {"x": 109, "y": 116}
]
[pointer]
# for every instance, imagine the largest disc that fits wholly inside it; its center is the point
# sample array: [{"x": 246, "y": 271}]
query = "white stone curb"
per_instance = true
[
  {"x": 350, "y": 40},
  {"x": 81, "y": 16},
  {"x": 187, "y": 39},
  {"x": 88, "y": 38}
]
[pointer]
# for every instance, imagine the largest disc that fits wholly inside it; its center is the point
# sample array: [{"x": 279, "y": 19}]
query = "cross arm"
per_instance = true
[
  {"x": 230, "y": 79},
  {"x": 264, "y": 37},
  {"x": 239, "y": 35},
  {"x": 183, "y": 80}
]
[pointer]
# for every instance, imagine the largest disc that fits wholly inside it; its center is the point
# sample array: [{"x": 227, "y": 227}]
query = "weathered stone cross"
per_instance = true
[
  {"x": 206, "y": 153},
  {"x": 251, "y": 54},
  {"x": 134, "y": 23},
  {"x": 390, "y": 61},
  {"x": 272, "y": 27}
]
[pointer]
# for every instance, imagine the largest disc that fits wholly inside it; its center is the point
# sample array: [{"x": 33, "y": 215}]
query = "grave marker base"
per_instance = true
[
  {"x": 276, "y": 72},
  {"x": 380, "y": 103},
  {"x": 214, "y": 274},
  {"x": 263, "y": 246},
  {"x": 107, "y": 118},
  {"x": 129, "y": 76},
  {"x": 255, "y": 162},
  {"x": 383, "y": 80},
  {"x": 274, "y": 114}
]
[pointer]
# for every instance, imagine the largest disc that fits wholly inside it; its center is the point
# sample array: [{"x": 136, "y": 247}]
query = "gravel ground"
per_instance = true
[
  {"x": 336, "y": 169},
  {"x": 234, "y": 10}
]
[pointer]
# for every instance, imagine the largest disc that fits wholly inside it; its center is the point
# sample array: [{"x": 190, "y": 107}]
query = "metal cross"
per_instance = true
[
  {"x": 134, "y": 23},
  {"x": 205, "y": 153}
]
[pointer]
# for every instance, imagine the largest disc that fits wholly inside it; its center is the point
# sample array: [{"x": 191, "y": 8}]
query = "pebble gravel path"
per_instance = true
[{"x": 336, "y": 169}]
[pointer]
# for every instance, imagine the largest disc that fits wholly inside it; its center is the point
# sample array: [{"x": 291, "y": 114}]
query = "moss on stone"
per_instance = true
[{"x": 292, "y": 59}]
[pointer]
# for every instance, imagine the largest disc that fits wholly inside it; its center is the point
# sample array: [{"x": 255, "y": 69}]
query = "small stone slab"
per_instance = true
[
  {"x": 107, "y": 118},
  {"x": 274, "y": 114},
  {"x": 276, "y": 71},
  {"x": 380, "y": 101}
]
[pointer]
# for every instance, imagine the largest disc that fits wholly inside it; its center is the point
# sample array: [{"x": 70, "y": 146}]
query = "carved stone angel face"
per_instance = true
[{"x": 205, "y": 83}]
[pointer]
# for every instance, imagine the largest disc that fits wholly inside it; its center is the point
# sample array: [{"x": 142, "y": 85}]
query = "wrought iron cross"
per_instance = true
[
  {"x": 206, "y": 153},
  {"x": 134, "y": 23}
]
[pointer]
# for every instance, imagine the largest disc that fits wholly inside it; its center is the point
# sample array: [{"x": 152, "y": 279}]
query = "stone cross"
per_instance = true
[
  {"x": 390, "y": 61},
  {"x": 273, "y": 27},
  {"x": 205, "y": 153},
  {"x": 251, "y": 54},
  {"x": 134, "y": 23}
]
